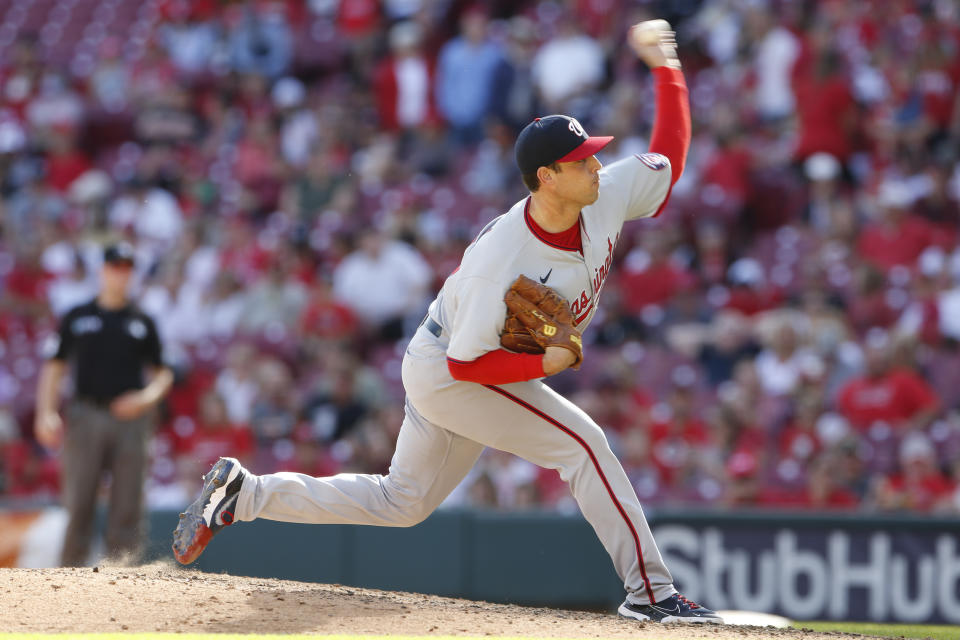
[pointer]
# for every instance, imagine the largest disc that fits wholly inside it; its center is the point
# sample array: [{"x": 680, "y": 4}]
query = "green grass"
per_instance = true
[{"x": 935, "y": 631}]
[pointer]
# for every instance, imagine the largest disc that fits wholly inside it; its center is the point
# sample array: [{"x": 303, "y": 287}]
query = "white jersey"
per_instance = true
[{"x": 470, "y": 305}]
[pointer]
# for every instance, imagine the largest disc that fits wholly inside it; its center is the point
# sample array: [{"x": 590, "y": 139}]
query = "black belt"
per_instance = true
[
  {"x": 97, "y": 401},
  {"x": 432, "y": 326}
]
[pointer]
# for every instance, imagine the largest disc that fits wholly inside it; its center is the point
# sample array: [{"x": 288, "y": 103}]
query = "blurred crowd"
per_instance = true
[{"x": 299, "y": 177}]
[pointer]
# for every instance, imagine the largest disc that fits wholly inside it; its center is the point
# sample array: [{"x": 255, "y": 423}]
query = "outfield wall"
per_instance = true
[
  {"x": 889, "y": 569},
  {"x": 901, "y": 569}
]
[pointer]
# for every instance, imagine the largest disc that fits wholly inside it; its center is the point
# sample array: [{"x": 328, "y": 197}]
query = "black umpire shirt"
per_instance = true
[{"x": 109, "y": 348}]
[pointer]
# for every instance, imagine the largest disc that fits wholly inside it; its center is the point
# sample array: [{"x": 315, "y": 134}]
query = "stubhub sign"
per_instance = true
[{"x": 805, "y": 574}]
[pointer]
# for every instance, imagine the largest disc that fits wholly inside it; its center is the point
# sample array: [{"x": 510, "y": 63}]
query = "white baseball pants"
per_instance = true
[{"x": 446, "y": 427}]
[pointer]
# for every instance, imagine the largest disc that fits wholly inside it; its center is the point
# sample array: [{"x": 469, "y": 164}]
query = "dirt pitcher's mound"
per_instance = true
[{"x": 163, "y": 597}]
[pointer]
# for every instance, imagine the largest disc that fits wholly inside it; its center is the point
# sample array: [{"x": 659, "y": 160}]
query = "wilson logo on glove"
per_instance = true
[{"x": 538, "y": 317}]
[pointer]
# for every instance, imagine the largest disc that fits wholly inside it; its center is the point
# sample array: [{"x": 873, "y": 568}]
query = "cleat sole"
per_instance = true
[{"x": 188, "y": 546}]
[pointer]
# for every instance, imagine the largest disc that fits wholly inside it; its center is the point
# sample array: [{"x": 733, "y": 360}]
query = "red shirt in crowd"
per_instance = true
[
  {"x": 358, "y": 18},
  {"x": 27, "y": 473},
  {"x": 799, "y": 443},
  {"x": 206, "y": 443},
  {"x": 729, "y": 168},
  {"x": 887, "y": 246},
  {"x": 327, "y": 318},
  {"x": 184, "y": 397},
  {"x": 752, "y": 300},
  {"x": 386, "y": 84},
  {"x": 868, "y": 310},
  {"x": 824, "y": 108},
  {"x": 835, "y": 498},
  {"x": 674, "y": 446},
  {"x": 656, "y": 284},
  {"x": 919, "y": 493},
  {"x": 64, "y": 168},
  {"x": 897, "y": 396},
  {"x": 28, "y": 282}
]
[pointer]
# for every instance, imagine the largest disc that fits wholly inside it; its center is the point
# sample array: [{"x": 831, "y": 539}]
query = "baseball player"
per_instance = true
[{"x": 465, "y": 392}]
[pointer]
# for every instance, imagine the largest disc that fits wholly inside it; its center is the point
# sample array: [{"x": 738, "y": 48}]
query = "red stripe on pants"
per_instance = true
[{"x": 596, "y": 464}]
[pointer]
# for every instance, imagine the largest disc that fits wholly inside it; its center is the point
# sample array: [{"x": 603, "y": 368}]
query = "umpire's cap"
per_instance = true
[
  {"x": 119, "y": 253},
  {"x": 552, "y": 139}
]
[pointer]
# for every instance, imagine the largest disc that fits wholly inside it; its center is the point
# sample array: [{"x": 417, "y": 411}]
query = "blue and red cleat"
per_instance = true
[
  {"x": 676, "y": 608},
  {"x": 209, "y": 513}
]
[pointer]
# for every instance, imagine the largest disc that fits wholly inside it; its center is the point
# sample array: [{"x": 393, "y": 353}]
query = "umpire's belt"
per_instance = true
[
  {"x": 432, "y": 326},
  {"x": 98, "y": 401}
]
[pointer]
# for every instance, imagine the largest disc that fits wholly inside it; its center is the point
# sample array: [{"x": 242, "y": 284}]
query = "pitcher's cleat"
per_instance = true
[
  {"x": 676, "y": 608},
  {"x": 209, "y": 513}
]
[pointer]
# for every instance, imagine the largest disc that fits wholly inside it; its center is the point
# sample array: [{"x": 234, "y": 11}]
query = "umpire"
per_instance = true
[{"x": 110, "y": 343}]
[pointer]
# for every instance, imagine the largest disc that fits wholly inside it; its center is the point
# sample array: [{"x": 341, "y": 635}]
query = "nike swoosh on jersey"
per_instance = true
[{"x": 544, "y": 279}]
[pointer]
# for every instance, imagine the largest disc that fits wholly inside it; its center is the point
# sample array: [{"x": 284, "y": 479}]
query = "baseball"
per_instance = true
[{"x": 648, "y": 32}]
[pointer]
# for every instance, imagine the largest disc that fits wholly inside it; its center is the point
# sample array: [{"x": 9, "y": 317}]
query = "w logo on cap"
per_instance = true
[
  {"x": 576, "y": 128},
  {"x": 555, "y": 138}
]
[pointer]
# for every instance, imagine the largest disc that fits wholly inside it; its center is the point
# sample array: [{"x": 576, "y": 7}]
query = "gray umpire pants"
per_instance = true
[
  {"x": 446, "y": 426},
  {"x": 96, "y": 443}
]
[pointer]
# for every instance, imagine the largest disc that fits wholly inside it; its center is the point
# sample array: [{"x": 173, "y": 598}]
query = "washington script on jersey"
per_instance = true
[{"x": 580, "y": 306}]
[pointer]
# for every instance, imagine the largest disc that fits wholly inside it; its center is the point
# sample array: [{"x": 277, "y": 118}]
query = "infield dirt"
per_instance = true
[{"x": 165, "y": 598}]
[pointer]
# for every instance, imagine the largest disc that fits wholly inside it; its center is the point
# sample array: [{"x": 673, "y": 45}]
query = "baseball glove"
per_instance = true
[{"x": 538, "y": 317}]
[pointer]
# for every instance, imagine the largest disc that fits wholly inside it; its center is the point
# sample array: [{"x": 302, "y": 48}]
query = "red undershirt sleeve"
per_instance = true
[
  {"x": 497, "y": 367},
  {"x": 671, "y": 126}
]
